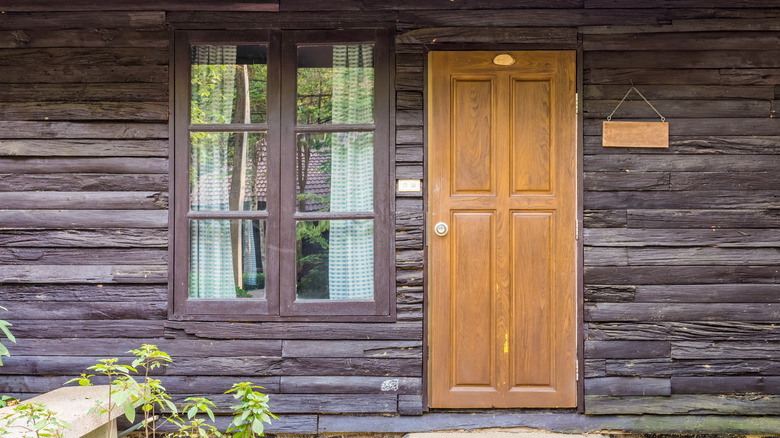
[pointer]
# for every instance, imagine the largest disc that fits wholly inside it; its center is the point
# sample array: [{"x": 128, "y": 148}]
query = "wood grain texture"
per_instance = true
[{"x": 682, "y": 404}]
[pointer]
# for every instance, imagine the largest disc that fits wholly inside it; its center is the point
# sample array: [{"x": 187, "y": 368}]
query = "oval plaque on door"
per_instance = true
[{"x": 504, "y": 59}]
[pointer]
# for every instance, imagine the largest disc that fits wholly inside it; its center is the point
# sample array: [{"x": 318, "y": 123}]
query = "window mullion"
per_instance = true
[{"x": 288, "y": 116}]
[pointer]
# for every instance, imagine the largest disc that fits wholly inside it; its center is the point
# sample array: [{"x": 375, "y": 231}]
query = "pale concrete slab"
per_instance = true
[{"x": 71, "y": 403}]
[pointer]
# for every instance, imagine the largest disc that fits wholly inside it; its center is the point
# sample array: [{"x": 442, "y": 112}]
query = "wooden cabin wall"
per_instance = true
[{"x": 681, "y": 245}]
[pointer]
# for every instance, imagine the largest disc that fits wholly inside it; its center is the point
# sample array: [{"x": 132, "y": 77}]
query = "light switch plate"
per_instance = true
[{"x": 409, "y": 185}]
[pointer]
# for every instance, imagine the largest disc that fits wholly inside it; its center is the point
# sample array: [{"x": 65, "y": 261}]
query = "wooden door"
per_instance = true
[{"x": 502, "y": 177}]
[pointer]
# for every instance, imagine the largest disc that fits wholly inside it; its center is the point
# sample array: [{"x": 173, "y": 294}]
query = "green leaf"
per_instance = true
[
  {"x": 129, "y": 411},
  {"x": 191, "y": 413}
]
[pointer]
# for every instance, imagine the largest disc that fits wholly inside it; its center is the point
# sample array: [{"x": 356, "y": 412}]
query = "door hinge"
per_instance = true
[
  {"x": 576, "y": 229},
  {"x": 576, "y": 103},
  {"x": 576, "y": 370}
]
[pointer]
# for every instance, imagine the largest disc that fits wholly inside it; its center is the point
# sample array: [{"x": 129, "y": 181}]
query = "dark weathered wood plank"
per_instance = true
[
  {"x": 66, "y": 74},
  {"x": 83, "y": 219},
  {"x": 492, "y": 35},
  {"x": 83, "y": 38},
  {"x": 688, "y": 92},
  {"x": 621, "y": 386},
  {"x": 668, "y": 367},
  {"x": 699, "y": 331},
  {"x": 409, "y": 154},
  {"x": 683, "y": 404},
  {"x": 261, "y": 20},
  {"x": 84, "y": 292},
  {"x": 701, "y": 256},
  {"x": 111, "y": 111},
  {"x": 84, "y": 200},
  {"x": 83, "y": 19},
  {"x": 682, "y": 145},
  {"x": 607, "y": 181},
  {"x": 609, "y": 293},
  {"x": 173, "y": 384},
  {"x": 314, "y": 403},
  {"x": 683, "y": 41},
  {"x": 683, "y": 163},
  {"x": 711, "y": 293},
  {"x": 413, "y": 100},
  {"x": 681, "y": 312},
  {"x": 76, "y": 57},
  {"x": 704, "y": 218},
  {"x": 595, "y": 368},
  {"x": 119, "y": 347},
  {"x": 737, "y": 181},
  {"x": 79, "y": 310},
  {"x": 726, "y": 350},
  {"x": 141, "y": 5},
  {"x": 83, "y": 182},
  {"x": 749, "y": 76},
  {"x": 300, "y": 330},
  {"x": 301, "y": 366},
  {"x": 725, "y": 385},
  {"x": 682, "y": 275},
  {"x": 600, "y": 109},
  {"x": 84, "y": 148},
  {"x": 405, "y": 5},
  {"x": 623, "y": 331},
  {"x": 86, "y": 92},
  {"x": 91, "y": 328},
  {"x": 130, "y": 165},
  {"x": 604, "y": 218},
  {"x": 623, "y": 75},
  {"x": 405, "y": 259},
  {"x": 15, "y": 130},
  {"x": 107, "y": 238},
  {"x": 378, "y": 349},
  {"x": 627, "y": 349},
  {"x": 529, "y": 17},
  {"x": 694, "y": 199},
  {"x": 93, "y": 256},
  {"x": 350, "y": 385},
  {"x": 15, "y": 274},
  {"x": 723, "y": 238},
  {"x": 699, "y": 59},
  {"x": 600, "y": 256}
]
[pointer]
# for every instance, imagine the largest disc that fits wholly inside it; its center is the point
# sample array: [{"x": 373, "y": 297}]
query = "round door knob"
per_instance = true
[{"x": 441, "y": 229}]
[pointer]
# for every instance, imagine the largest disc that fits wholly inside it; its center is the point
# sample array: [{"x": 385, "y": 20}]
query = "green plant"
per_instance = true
[
  {"x": 196, "y": 428},
  {"x": 5, "y": 331},
  {"x": 153, "y": 393},
  {"x": 251, "y": 411},
  {"x": 33, "y": 420}
]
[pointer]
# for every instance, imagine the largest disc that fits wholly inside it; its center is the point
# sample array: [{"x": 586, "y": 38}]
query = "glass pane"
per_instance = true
[
  {"x": 336, "y": 84},
  {"x": 335, "y": 259},
  {"x": 335, "y": 171},
  {"x": 228, "y": 171},
  {"x": 227, "y": 259},
  {"x": 228, "y": 84}
]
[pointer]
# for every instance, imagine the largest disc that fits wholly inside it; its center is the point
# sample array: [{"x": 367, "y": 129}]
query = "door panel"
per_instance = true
[
  {"x": 472, "y": 160},
  {"x": 502, "y": 175}
]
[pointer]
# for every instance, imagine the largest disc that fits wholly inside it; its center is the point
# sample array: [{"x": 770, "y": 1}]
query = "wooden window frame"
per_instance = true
[{"x": 281, "y": 129}]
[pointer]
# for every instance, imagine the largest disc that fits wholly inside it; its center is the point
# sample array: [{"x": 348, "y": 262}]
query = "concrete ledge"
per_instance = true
[{"x": 71, "y": 403}]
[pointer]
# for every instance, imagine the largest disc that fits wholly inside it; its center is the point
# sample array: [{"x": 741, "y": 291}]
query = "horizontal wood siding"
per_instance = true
[{"x": 681, "y": 245}]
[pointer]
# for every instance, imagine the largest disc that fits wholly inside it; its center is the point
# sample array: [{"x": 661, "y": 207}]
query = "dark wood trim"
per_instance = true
[
  {"x": 222, "y": 37},
  {"x": 334, "y": 215},
  {"x": 426, "y": 307},
  {"x": 580, "y": 240},
  {"x": 229, "y": 127},
  {"x": 248, "y": 214},
  {"x": 336, "y": 128},
  {"x": 171, "y": 164},
  {"x": 180, "y": 154}
]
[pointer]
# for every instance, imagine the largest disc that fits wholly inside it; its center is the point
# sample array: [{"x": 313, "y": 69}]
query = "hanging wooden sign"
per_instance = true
[{"x": 635, "y": 134}]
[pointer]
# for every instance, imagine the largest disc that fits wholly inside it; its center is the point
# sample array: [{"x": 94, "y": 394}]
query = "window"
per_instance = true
[{"x": 283, "y": 198}]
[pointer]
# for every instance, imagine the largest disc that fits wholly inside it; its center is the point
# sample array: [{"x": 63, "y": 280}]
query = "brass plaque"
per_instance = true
[{"x": 635, "y": 134}]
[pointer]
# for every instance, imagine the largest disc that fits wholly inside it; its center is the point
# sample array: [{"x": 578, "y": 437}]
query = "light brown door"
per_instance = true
[{"x": 502, "y": 177}]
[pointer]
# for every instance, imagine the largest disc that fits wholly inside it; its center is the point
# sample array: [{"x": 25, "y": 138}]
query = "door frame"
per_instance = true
[{"x": 579, "y": 265}]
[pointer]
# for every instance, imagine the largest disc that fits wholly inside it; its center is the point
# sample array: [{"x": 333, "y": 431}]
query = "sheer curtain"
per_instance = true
[
  {"x": 351, "y": 256},
  {"x": 213, "y": 87}
]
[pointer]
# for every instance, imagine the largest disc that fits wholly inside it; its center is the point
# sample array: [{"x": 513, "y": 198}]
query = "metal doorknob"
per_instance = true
[{"x": 441, "y": 229}]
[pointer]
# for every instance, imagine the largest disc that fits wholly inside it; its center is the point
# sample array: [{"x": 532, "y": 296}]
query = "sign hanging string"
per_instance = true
[{"x": 609, "y": 117}]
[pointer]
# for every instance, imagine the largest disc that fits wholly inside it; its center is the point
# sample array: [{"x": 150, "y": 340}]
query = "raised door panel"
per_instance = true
[
  {"x": 472, "y": 157},
  {"x": 531, "y": 132}
]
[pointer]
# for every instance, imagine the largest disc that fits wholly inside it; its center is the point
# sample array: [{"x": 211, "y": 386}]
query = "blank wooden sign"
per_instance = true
[{"x": 635, "y": 134}]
